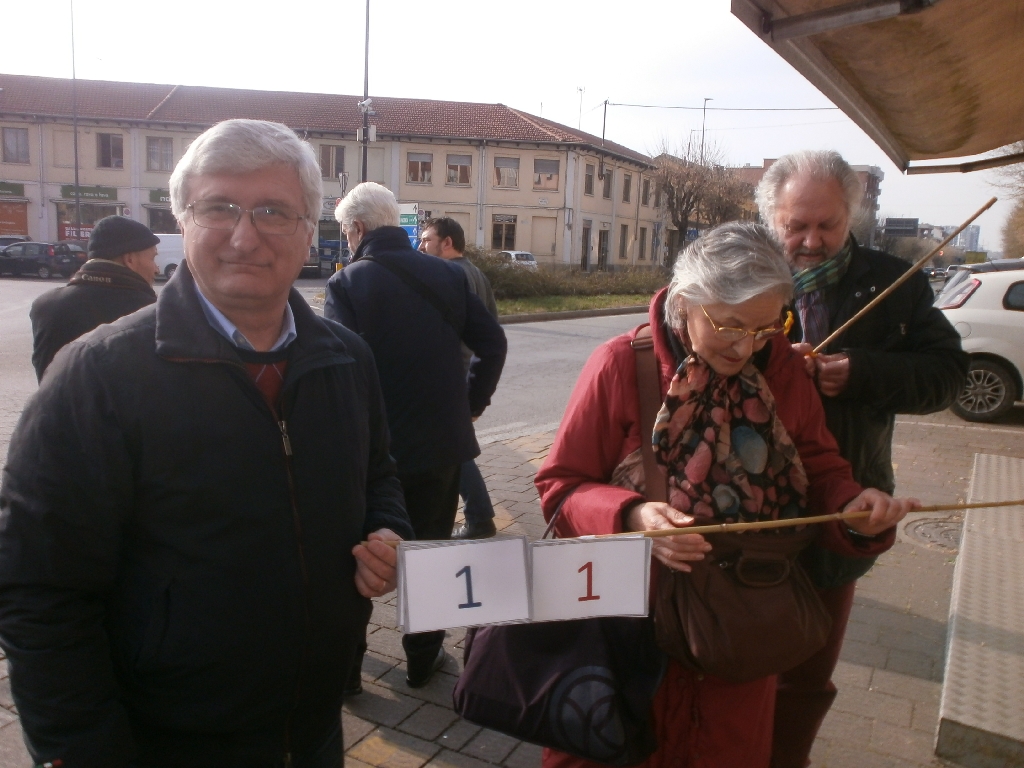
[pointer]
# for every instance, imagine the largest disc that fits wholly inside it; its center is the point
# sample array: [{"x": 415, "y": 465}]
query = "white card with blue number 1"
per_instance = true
[
  {"x": 580, "y": 578},
  {"x": 460, "y": 584}
]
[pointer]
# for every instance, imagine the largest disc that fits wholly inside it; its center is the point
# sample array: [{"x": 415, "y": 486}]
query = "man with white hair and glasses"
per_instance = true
[
  {"x": 181, "y": 581},
  {"x": 902, "y": 357},
  {"x": 415, "y": 312}
]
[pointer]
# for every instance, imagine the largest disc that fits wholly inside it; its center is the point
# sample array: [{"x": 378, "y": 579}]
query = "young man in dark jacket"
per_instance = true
[
  {"x": 444, "y": 238},
  {"x": 902, "y": 357},
  {"x": 415, "y": 312},
  {"x": 181, "y": 578},
  {"x": 116, "y": 281}
]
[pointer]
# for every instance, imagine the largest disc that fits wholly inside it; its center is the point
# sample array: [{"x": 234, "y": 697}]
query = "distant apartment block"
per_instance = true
[{"x": 513, "y": 180}]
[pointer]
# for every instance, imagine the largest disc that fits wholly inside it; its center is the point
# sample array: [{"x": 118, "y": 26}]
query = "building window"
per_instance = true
[
  {"x": 419, "y": 168},
  {"x": 506, "y": 172},
  {"x": 645, "y": 194},
  {"x": 623, "y": 240},
  {"x": 15, "y": 145},
  {"x": 459, "y": 169},
  {"x": 627, "y": 186},
  {"x": 657, "y": 197},
  {"x": 159, "y": 153},
  {"x": 588, "y": 180},
  {"x": 332, "y": 161},
  {"x": 641, "y": 252},
  {"x": 109, "y": 150},
  {"x": 504, "y": 232},
  {"x": 606, "y": 193},
  {"x": 545, "y": 175}
]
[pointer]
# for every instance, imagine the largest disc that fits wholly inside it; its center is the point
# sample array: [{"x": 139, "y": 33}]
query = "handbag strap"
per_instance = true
[
  {"x": 419, "y": 287},
  {"x": 655, "y": 481}
]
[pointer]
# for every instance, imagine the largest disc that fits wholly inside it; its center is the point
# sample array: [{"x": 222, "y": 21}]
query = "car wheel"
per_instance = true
[
  {"x": 989, "y": 392},
  {"x": 44, "y": 272},
  {"x": 169, "y": 270}
]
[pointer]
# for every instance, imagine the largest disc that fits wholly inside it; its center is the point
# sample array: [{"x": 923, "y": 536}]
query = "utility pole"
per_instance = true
[
  {"x": 365, "y": 107},
  {"x": 74, "y": 123},
  {"x": 604, "y": 122},
  {"x": 579, "y": 123},
  {"x": 703, "y": 123}
]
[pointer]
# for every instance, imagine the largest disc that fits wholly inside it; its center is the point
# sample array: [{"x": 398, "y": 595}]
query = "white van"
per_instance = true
[{"x": 170, "y": 252}]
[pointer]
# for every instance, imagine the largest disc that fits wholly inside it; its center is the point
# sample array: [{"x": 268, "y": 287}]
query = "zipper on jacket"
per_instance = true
[{"x": 283, "y": 426}]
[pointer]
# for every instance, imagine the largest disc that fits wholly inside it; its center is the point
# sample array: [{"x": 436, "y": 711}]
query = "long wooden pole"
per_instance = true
[
  {"x": 787, "y": 523},
  {"x": 902, "y": 279}
]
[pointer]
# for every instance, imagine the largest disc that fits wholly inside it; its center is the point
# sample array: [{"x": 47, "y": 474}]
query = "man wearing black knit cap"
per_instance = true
[{"x": 116, "y": 281}]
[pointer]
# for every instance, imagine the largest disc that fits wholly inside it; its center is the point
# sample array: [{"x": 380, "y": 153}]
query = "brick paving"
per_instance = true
[{"x": 889, "y": 676}]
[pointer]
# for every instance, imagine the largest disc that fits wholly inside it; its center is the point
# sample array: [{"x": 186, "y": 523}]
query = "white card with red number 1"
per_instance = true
[
  {"x": 447, "y": 584},
  {"x": 581, "y": 578}
]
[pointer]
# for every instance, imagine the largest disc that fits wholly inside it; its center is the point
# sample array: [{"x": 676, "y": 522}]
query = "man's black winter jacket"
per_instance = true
[
  {"x": 100, "y": 292},
  {"x": 905, "y": 357},
  {"x": 175, "y": 582},
  {"x": 419, "y": 353}
]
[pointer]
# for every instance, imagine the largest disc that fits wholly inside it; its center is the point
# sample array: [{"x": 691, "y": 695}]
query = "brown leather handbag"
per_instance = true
[{"x": 748, "y": 610}]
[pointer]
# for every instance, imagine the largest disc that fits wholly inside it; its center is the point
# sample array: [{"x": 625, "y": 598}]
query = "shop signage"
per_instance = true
[
  {"x": 9, "y": 189},
  {"x": 159, "y": 196},
  {"x": 328, "y": 205},
  {"x": 67, "y": 191}
]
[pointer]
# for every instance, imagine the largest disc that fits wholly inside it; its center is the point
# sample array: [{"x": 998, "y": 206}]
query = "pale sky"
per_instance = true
[{"x": 524, "y": 54}]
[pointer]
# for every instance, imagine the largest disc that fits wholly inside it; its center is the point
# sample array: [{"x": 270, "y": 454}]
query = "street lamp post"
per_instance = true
[
  {"x": 703, "y": 123},
  {"x": 365, "y": 106},
  {"x": 74, "y": 127}
]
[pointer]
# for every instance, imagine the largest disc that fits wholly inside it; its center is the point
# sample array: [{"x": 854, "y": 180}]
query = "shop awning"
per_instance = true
[{"x": 942, "y": 79}]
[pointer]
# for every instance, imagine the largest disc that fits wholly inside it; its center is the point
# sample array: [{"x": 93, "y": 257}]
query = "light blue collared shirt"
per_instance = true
[{"x": 230, "y": 331}]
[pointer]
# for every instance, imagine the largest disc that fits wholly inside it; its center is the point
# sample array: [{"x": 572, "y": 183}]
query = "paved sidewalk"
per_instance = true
[{"x": 892, "y": 662}]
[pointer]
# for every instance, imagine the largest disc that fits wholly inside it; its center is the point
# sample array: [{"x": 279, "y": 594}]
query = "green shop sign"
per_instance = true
[
  {"x": 67, "y": 191},
  {"x": 9, "y": 189},
  {"x": 159, "y": 196}
]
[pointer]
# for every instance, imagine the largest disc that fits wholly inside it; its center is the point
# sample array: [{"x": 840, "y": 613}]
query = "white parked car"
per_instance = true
[
  {"x": 987, "y": 310},
  {"x": 170, "y": 252},
  {"x": 519, "y": 258}
]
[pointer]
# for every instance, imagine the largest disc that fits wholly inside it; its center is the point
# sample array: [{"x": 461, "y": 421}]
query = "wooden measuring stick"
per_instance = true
[
  {"x": 902, "y": 279},
  {"x": 787, "y": 523},
  {"x": 794, "y": 521}
]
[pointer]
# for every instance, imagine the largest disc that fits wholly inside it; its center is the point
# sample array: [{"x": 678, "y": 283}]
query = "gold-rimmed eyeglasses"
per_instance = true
[
  {"x": 760, "y": 334},
  {"x": 267, "y": 219}
]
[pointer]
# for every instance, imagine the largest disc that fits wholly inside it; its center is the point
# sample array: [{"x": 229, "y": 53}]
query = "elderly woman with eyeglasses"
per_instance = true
[{"x": 735, "y": 395}]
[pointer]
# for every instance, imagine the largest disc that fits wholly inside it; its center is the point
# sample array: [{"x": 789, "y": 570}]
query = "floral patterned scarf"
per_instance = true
[{"x": 727, "y": 454}]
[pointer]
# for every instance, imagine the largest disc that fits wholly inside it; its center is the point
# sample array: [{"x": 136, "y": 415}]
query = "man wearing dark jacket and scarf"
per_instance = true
[
  {"x": 415, "y": 312},
  {"x": 182, "y": 578},
  {"x": 902, "y": 357},
  {"x": 116, "y": 281}
]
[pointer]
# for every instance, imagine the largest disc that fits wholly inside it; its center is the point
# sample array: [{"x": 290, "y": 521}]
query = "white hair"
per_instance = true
[
  {"x": 727, "y": 265},
  {"x": 244, "y": 146},
  {"x": 371, "y": 204},
  {"x": 820, "y": 165}
]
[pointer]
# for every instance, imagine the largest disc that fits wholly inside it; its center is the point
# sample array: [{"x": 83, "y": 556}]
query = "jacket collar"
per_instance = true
[
  {"x": 383, "y": 239},
  {"x": 110, "y": 274},
  {"x": 184, "y": 333}
]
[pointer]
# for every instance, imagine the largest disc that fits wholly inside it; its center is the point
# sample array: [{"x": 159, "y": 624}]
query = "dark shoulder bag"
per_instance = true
[
  {"x": 748, "y": 609},
  {"x": 583, "y": 687}
]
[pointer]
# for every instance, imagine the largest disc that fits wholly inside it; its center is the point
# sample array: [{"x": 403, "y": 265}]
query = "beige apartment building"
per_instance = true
[{"x": 513, "y": 180}]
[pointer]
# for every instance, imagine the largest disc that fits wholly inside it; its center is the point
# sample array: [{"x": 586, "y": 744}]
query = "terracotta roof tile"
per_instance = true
[{"x": 321, "y": 112}]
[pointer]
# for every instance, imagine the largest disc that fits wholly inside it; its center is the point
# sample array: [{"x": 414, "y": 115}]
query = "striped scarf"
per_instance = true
[{"x": 810, "y": 286}]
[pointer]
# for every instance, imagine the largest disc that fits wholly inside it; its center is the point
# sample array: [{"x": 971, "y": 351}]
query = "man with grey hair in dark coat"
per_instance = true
[{"x": 902, "y": 357}]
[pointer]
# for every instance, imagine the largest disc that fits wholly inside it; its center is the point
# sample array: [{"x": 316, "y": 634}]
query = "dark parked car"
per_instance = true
[{"x": 42, "y": 259}]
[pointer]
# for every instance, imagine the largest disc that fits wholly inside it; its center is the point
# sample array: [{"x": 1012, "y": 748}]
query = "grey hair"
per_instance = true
[
  {"x": 820, "y": 165},
  {"x": 371, "y": 204},
  {"x": 244, "y": 146},
  {"x": 727, "y": 265}
]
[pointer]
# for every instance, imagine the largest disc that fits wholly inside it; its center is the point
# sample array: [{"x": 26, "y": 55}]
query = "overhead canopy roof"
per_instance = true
[{"x": 946, "y": 81}]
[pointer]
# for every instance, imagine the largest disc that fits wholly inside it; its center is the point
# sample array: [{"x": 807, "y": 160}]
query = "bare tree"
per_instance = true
[
  {"x": 1012, "y": 176},
  {"x": 1013, "y": 233},
  {"x": 698, "y": 188}
]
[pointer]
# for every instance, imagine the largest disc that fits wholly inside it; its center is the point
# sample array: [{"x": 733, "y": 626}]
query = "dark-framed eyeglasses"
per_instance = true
[
  {"x": 267, "y": 219},
  {"x": 726, "y": 333}
]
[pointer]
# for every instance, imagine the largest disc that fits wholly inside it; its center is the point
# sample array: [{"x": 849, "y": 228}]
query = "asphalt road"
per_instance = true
[{"x": 544, "y": 360}]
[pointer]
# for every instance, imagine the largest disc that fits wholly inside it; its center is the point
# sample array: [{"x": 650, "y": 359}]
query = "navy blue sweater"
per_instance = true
[{"x": 418, "y": 353}]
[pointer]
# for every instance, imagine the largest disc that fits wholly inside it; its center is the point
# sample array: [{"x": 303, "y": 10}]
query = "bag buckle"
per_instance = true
[{"x": 765, "y": 569}]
